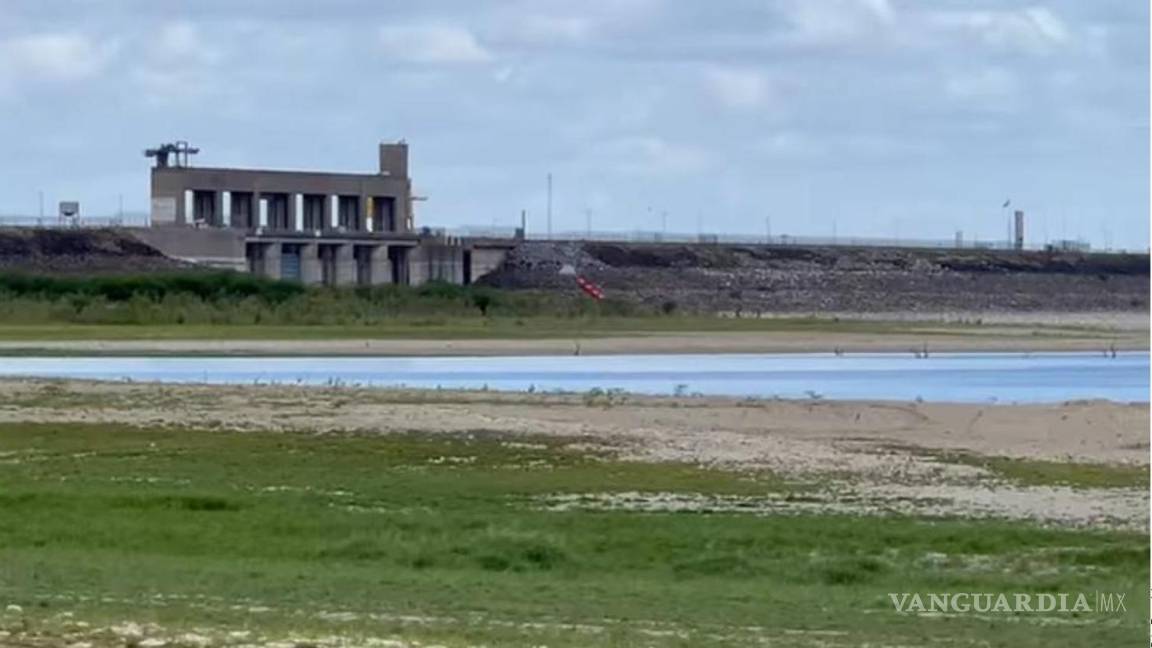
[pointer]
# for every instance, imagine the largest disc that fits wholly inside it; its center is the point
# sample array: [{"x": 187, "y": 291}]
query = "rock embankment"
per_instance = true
[
  {"x": 79, "y": 251},
  {"x": 750, "y": 279}
]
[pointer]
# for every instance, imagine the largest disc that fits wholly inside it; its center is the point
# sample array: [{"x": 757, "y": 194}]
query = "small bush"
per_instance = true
[
  {"x": 229, "y": 298},
  {"x": 850, "y": 571}
]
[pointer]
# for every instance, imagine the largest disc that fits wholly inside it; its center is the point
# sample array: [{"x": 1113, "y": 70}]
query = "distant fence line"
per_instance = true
[
  {"x": 633, "y": 236},
  {"x": 127, "y": 220},
  {"x": 648, "y": 236}
]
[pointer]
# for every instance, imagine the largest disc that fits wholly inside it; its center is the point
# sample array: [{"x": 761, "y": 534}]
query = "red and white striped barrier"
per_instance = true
[{"x": 591, "y": 289}]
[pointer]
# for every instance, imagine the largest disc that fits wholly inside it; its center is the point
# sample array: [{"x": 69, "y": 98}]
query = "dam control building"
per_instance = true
[{"x": 306, "y": 226}]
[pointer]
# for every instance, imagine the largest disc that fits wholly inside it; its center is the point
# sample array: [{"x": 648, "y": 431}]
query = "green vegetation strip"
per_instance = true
[
  {"x": 1039, "y": 472},
  {"x": 224, "y": 305},
  {"x": 449, "y": 539}
]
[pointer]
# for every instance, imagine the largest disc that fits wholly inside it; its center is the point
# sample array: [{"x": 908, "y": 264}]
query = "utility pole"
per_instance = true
[
  {"x": 588, "y": 223},
  {"x": 549, "y": 206},
  {"x": 1008, "y": 218}
]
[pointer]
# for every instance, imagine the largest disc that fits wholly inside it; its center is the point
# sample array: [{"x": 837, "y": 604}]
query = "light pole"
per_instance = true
[
  {"x": 549, "y": 206},
  {"x": 1008, "y": 219}
]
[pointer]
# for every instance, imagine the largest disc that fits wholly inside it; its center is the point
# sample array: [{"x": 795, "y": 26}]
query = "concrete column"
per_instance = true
[
  {"x": 272, "y": 260},
  {"x": 294, "y": 223},
  {"x": 345, "y": 265},
  {"x": 187, "y": 207},
  {"x": 333, "y": 211},
  {"x": 259, "y": 211},
  {"x": 381, "y": 266},
  {"x": 226, "y": 208},
  {"x": 217, "y": 209},
  {"x": 310, "y": 270}
]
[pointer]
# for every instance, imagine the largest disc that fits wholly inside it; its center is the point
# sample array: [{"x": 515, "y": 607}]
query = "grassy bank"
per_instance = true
[
  {"x": 469, "y": 538},
  {"x": 231, "y": 306},
  {"x": 236, "y": 306},
  {"x": 231, "y": 299}
]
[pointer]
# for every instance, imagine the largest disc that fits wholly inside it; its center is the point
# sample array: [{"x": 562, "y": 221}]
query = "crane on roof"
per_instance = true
[{"x": 178, "y": 150}]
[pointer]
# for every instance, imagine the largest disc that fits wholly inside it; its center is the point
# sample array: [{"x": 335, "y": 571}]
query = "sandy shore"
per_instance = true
[
  {"x": 862, "y": 457},
  {"x": 938, "y": 340}
]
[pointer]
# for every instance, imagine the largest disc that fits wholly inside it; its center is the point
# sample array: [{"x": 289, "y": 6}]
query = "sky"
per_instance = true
[{"x": 888, "y": 118}]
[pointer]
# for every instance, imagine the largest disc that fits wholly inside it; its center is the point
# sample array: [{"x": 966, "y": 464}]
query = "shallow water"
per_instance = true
[{"x": 955, "y": 377}]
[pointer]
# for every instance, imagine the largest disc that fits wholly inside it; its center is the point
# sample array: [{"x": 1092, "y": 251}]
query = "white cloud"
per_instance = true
[
  {"x": 651, "y": 156},
  {"x": 985, "y": 83},
  {"x": 430, "y": 43},
  {"x": 65, "y": 56},
  {"x": 543, "y": 29},
  {"x": 876, "y": 24},
  {"x": 181, "y": 65},
  {"x": 182, "y": 41},
  {"x": 993, "y": 89},
  {"x": 835, "y": 22},
  {"x": 1034, "y": 30},
  {"x": 796, "y": 144},
  {"x": 737, "y": 87}
]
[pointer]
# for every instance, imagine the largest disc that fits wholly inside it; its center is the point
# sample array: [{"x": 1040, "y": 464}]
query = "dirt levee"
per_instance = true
[
  {"x": 79, "y": 251},
  {"x": 747, "y": 279}
]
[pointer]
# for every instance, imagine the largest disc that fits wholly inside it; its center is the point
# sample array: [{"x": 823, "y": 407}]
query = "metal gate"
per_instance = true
[{"x": 290, "y": 263}]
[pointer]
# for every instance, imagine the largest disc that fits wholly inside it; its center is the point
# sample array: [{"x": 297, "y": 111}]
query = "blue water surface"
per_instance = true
[{"x": 950, "y": 377}]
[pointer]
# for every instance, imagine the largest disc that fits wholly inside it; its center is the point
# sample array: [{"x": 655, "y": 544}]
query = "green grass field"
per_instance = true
[
  {"x": 464, "y": 327},
  {"x": 451, "y": 540}
]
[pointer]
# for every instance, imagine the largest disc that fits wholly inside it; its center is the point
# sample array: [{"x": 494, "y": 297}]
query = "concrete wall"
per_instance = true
[
  {"x": 171, "y": 185},
  {"x": 381, "y": 267},
  {"x": 430, "y": 261},
  {"x": 234, "y": 249},
  {"x": 486, "y": 259},
  {"x": 217, "y": 248},
  {"x": 394, "y": 159}
]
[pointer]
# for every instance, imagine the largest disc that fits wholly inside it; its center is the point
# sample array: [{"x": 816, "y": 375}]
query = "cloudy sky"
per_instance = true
[{"x": 864, "y": 117}]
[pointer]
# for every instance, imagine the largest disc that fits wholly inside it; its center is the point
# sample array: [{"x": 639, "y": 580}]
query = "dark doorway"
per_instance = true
[
  {"x": 255, "y": 254},
  {"x": 398, "y": 258},
  {"x": 363, "y": 257}
]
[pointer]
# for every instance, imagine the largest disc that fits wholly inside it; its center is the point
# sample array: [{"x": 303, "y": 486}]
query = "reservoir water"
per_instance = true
[{"x": 951, "y": 377}]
